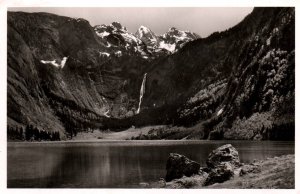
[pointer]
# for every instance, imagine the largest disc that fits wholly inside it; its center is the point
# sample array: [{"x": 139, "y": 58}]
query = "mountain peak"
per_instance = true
[
  {"x": 118, "y": 25},
  {"x": 143, "y": 30},
  {"x": 146, "y": 35},
  {"x": 172, "y": 29}
]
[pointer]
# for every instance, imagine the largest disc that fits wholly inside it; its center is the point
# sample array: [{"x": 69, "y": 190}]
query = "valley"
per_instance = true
[
  {"x": 68, "y": 77},
  {"x": 96, "y": 105}
]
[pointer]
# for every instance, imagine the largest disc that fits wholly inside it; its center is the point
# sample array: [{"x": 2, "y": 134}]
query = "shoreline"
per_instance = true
[
  {"x": 271, "y": 173},
  {"x": 137, "y": 141}
]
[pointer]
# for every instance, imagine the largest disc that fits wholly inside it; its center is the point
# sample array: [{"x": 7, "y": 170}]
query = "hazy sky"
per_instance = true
[{"x": 201, "y": 20}]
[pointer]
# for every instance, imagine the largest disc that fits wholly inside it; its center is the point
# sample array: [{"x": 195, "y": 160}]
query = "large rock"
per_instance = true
[
  {"x": 220, "y": 174},
  {"x": 223, "y": 161},
  {"x": 179, "y": 166},
  {"x": 226, "y": 153}
]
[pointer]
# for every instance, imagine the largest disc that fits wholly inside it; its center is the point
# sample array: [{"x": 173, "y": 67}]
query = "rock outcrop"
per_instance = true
[
  {"x": 222, "y": 163},
  {"x": 224, "y": 154},
  {"x": 220, "y": 174},
  {"x": 179, "y": 166}
]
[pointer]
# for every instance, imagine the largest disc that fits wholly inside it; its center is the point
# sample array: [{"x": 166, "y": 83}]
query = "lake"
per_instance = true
[{"x": 114, "y": 164}]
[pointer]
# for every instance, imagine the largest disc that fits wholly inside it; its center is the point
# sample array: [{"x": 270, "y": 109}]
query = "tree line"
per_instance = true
[{"x": 30, "y": 133}]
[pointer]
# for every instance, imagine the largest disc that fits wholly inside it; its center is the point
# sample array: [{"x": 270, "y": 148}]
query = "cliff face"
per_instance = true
[
  {"x": 58, "y": 76},
  {"x": 256, "y": 99},
  {"x": 238, "y": 84}
]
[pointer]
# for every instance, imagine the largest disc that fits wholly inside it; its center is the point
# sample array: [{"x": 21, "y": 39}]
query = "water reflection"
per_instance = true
[{"x": 114, "y": 165}]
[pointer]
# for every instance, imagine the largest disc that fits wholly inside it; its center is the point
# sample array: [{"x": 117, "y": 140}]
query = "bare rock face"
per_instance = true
[
  {"x": 179, "y": 166},
  {"x": 224, "y": 154}
]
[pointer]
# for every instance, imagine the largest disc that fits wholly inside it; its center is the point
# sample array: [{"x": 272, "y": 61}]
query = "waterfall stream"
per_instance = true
[{"x": 142, "y": 91}]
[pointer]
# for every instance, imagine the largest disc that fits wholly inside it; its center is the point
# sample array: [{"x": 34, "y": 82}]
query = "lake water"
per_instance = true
[{"x": 115, "y": 164}]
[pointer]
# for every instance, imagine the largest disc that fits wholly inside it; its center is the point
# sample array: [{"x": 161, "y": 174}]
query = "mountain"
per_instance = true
[
  {"x": 147, "y": 36},
  {"x": 118, "y": 39},
  {"x": 174, "y": 39},
  {"x": 235, "y": 84},
  {"x": 144, "y": 42},
  {"x": 66, "y": 75}
]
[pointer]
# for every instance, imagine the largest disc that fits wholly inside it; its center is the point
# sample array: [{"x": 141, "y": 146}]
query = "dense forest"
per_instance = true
[{"x": 30, "y": 133}]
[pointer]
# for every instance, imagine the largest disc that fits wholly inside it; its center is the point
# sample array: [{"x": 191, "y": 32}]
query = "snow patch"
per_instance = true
[
  {"x": 108, "y": 45},
  {"x": 169, "y": 47},
  {"x": 104, "y": 54},
  {"x": 118, "y": 53},
  {"x": 220, "y": 112},
  {"x": 102, "y": 34},
  {"x": 54, "y": 63},
  {"x": 63, "y": 62}
]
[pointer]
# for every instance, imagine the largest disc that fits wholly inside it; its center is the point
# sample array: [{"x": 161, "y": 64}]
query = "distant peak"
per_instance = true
[
  {"x": 143, "y": 27},
  {"x": 144, "y": 31},
  {"x": 117, "y": 25},
  {"x": 172, "y": 29}
]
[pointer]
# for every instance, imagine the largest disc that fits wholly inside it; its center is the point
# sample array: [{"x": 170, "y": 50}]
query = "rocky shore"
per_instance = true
[{"x": 224, "y": 170}]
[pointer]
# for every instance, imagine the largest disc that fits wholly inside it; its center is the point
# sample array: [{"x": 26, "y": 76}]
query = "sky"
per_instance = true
[{"x": 200, "y": 20}]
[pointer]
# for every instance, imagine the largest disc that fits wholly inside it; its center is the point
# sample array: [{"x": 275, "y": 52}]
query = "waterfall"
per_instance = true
[{"x": 142, "y": 91}]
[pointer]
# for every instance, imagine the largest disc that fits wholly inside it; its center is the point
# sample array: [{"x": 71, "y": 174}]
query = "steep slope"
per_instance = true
[
  {"x": 58, "y": 76},
  {"x": 65, "y": 74},
  {"x": 235, "y": 84},
  {"x": 256, "y": 101}
]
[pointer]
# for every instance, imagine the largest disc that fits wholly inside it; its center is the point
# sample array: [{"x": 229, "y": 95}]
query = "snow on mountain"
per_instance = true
[
  {"x": 177, "y": 37},
  {"x": 115, "y": 29},
  {"x": 147, "y": 36},
  {"x": 104, "y": 54},
  {"x": 55, "y": 64},
  {"x": 169, "y": 47},
  {"x": 102, "y": 34},
  {"x": 118, "y": 53},
  {"x": 170, "y": 41},
  {"x": 144, "y": 42}
]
